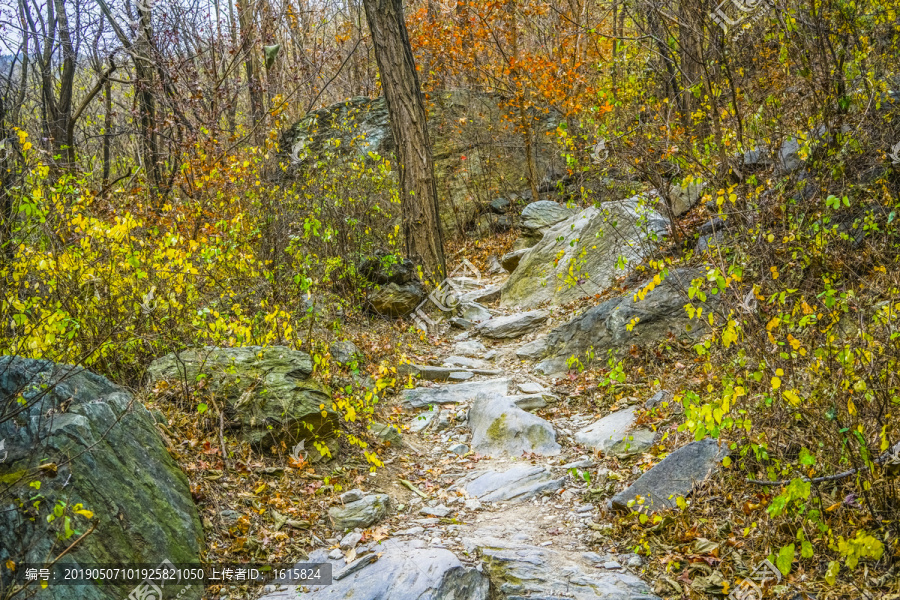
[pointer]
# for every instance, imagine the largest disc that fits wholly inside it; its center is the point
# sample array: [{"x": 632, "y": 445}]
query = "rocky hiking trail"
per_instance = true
[{"x": 511, "y": 507}]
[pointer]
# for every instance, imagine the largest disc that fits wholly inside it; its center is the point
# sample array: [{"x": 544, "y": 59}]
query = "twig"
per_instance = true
[
  {"x": 881, "y": 459},
  {"x": 412, "y": 488}
]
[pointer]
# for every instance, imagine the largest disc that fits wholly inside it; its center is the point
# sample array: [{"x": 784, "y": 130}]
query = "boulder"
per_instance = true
[
  {"x": 345, "y": 352},
  {"x": 404, "y": 570},
  {"x": 685, "y": 197},
  {"x": 472, "y": 144},
  {"x": 484, "y": 295},
  {"x": 94, "y": 448},
  {"x": 364, "y": 512},
  {"x": 614, "y": 434},
  {"x": 396, "y": 300},
  {"x": 470, "y": 348},
  {"x": 268, "y": 393},
  {"x": 512, "y": 326},
  {"x": 510, "y": 260},
  {"x": 386, "y": 433},
  {"x": 474, "y": 312},
  {"x": 611, "y": 324},
  {"x": 674, "y": 476},
  {"x": 521, "y": 482},
  {"x": 499, "y": 427},
  {"x": 453, "y": 394},
  {"x": 585, "y": 253},
  {"x": 499, "y": 206},
  {"x": 540, "y": 216},
  {"x": 383, "y": 268}
]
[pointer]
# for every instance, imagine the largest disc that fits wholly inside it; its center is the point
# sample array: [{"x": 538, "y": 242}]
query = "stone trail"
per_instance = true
[{"x": 509, "y": 520}]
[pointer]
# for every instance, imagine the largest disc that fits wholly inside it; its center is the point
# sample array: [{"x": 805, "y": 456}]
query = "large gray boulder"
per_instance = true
[
  {"x": 92, "y": 447},
  {"x": 396, "y": 299},
  {"x": 675, "y": 476},
  {"x": 404, "y": 570},
  {"x": 538, "y": 217},
  {"x": 472, "y": 144},
  {"x": 660, "y": 313},
  {"x": 268, "y": 392},
  {"x": 499, "y": 427},
  {"x": 585, "y": 253}
]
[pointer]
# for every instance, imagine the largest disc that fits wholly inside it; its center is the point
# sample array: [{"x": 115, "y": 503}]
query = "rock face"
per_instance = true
[
  {"x": 615, "y": 434},
  {"x": 111, "y": 460},
  {"x": 583, "y": 254},
  {"x": 512, "y": 326},
  {"x": 499, "y": 427},
  {"x": 471, "y": 145},
  {"x": 606, "y": 326},
  {"x": 521, "y": 482},
  {"x": 511, "y": 260},
  {"x": 268, "y": 393},
  {"x": 674, "y": 476},
  {"x": 364, "y": 512},
  {"x": 404, "y": 571},
  {"x": 453, "y": 394}
]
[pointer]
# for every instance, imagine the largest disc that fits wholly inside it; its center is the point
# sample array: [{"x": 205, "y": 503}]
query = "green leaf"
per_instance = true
[
  {"x": 807, "y": 458},
  {"x": 785, "y": 559},
  {"x": 201, "y": 408},
  {"x": 834, "y": 567}
]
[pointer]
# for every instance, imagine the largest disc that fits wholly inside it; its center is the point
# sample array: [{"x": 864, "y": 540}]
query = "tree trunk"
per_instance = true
[
  {"x": 418, "y": 193},
  {"x": 251, "y": 64}
]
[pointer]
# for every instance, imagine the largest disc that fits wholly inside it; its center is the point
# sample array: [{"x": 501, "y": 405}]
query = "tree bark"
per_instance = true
[{"x": 418, "y": 192}]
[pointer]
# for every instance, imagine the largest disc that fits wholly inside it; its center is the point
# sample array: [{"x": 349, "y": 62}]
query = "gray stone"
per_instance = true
[
  {"x": 521, "y": 482},
  {"x": 471, "y": 349},
  {"x": 426, "y": 372},
  {"x": 405, "y": 570},
  {"x": 458, "y": 449},
  {"x": 484, "y": 295},
  {"x": 461, "y": 375},
  {"x": 500, "y": 427},
  {"x": 453, "y": 394},
  {"x": 461, "y": 323},
  {"x": 499, "y": 206},
  {"x": 606, "y": 326},
  {"x": 396, "y": 300},
  {"x": 464, "y": 361},
  {"x": 435, "y": 511},
  {"x": 510, "y": 260},
  {"x": 352, "y": 495},
  {"x": 614, "y": 434},
  {"x": 474, "y": 312},
  {"x": 788, "y": 156},
  {"x": 520, "y": 571},
  {"x": 386, "y": 433},
  {"x": 657, "y": 398},
  {"x": 531, "y": 387},
  {"x": 267, "y": 392},
  {"x": 350, "y": 540},
  {"x": 685, "y": 197},
  {"x": 410, "y": 531},
  {"x": 110, "y": 459},
  {"x": 712, "y": 226},
  {"x": 674, "y": 476},
  {"x": 612, "y": 565},
  {"x": 473, "y": 504},
  {"x": 595, "y": 243},
  {"x": 345, "y": 352},
  {"x": 635, "y": 562},
  {"x": 710, "y": 242},
  {"x": 534, "y": 350},
  {"x": 539, "y": 216},
  {"x": 424, "y": 419},
  {"x": 361, "y": 513},
  {"x": 512, "y": 326},
  {"x": 335, "y": 554},
  {"x": 529, "y": 402}
]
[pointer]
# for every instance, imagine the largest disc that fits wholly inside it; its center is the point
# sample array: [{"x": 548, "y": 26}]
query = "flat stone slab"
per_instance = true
[
  {"x": 614, "y": 434},
  {"x": 484, "y": 295},
  {"x": 520, "y": 571},
  {"x": 518, "y": 483},
  {"x": 512, "y": 326},
  {"x": 406, "y": 570},
  {"x": 453, "y": 394},
  {"x": 466, "y": 362},
  {"x": 361, "y": 513},
  {"x": 674, "y": 476},
  {"x": 424, "y": 419},
  {"x": 470, "y": 348},
  {"x": 499, "y": 427}
]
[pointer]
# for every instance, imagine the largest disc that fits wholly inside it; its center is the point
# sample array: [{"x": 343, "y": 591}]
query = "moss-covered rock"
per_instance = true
[
  {"x": 88, "y": 442},
  {"x": 268, "y": 393}
]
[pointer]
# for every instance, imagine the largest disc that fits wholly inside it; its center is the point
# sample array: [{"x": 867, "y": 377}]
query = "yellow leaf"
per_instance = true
[
  {"x": 851, "y": 408},
  {"x": 792, "y": 397},
  {"x": 776, "y": 383}
]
